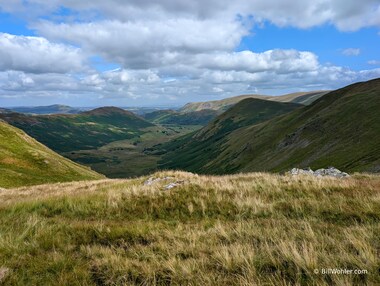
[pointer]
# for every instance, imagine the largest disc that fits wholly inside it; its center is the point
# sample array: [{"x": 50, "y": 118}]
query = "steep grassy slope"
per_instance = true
[
  {"x": 24, "y": 161},
  {"x": 339, "y": 129},
  {"x": 201, "y": 117},
  {"x": 194, "y": 151},
  {"x": 304, "y": 98},
  {"x": 87, "y": 130},
  {"x": 251, "y": 229}
]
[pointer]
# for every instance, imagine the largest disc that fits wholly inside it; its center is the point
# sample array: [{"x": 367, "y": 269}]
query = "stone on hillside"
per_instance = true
[
  {"x": 173, "y": 185},
  {"x": 330, "y": 171},
  {"x": 153, "y": 180},
  {"x": 296, "y": 171}
]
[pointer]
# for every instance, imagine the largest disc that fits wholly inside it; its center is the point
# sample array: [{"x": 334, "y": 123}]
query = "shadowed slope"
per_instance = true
[
  {"x": 194, "y": 151},
  {"x": 340, "y": 129}
]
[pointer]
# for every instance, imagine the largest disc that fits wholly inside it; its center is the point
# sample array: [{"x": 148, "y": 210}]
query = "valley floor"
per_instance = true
[{"x": 185, "y": 229}]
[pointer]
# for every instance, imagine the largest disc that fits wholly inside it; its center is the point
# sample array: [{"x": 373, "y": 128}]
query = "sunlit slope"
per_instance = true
[
  {"x": 221, "y": 105},
  {"x": 24, "y": 161}
]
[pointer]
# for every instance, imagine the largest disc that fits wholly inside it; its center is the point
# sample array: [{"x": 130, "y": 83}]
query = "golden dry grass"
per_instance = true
[{"x": 244, "y": 229}]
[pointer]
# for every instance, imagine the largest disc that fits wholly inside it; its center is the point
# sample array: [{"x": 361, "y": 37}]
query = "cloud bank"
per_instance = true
[{"x": 170, "y": 49}]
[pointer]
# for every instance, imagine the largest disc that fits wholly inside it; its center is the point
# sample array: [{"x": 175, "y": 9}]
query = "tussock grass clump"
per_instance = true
[{"x": 244, "y": 229}]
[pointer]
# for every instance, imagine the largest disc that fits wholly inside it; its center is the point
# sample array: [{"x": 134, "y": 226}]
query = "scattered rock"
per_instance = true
[
  {"x": 296, "y": 171},
  {"x": 4, "y": 271},
  {"x": 2, "y": 189},
  {"x": 330, "y": 171},
  {"x": 153, "y": 180},
  {"x": 173, "y": 185}
]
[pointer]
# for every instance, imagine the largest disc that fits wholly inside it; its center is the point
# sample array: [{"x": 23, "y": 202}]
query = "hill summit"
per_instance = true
[{"x": 108, "y": 110}]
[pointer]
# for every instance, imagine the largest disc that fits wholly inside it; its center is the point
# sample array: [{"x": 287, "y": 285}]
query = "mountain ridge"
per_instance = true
[
  {"x": 48, "y": 109},
  {"x": 337, "y": 129},
  {"x": 223, "y": 104}
]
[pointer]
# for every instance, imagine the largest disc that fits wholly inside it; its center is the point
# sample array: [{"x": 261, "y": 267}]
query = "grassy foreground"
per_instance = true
[{"x": 245, "y": 229}]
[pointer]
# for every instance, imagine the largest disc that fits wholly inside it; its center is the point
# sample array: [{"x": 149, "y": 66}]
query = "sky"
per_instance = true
[{"x": 170, "y": 52}]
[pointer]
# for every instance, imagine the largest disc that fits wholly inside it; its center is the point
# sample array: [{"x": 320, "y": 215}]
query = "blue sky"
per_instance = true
[
  {"x": 325, "y": 41},
  {"x": 141, "y": 53}
]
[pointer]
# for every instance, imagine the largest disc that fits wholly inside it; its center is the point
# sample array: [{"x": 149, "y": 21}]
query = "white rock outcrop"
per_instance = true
[{"x": 330, "y": 171}]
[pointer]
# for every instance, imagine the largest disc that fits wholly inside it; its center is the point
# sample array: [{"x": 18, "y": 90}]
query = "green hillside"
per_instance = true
[
  {"x": 222, "y": 105},
  {"x": 339, "y": 129},
  {"x": 24, "y": 161},
  {"x": 193, "y": 151},
  {"x": 201, "y": 117},
  {"x": 84, "y": 131}
]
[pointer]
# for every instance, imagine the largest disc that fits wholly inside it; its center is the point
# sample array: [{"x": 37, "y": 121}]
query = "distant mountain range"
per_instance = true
[
  {"x": 201, "y": 113},
  {"x": 341, "y": 128},
  {"x": 5, "y": 110},
  {"x": 24, "y": 161},
  {"x": 255, "y": 133},
  {"x": 222, "y": 105},
  {"x": 50, "y": 109}
]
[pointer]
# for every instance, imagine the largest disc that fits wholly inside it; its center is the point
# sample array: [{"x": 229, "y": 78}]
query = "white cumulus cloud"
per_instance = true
[{"x": 38, "y": 55}]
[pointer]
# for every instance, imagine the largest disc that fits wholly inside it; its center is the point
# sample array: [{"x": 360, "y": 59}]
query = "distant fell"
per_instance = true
[
  {"x": 222, "y": 105},
  {"x": 87, "y": 130},
  {"x": 50, "y": 109},
  {"x": 107, "y": 111}
]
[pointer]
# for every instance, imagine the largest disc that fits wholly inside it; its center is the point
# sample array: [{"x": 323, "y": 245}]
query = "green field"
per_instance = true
[{"x": 132, "y": 157}]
